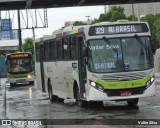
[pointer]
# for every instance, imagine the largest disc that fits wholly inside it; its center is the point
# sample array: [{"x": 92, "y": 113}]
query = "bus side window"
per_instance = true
[
  {"x": 65, "y": 48},
  {"x": 59, "y": 49},
  {"x": 73, "y": 48},
  {"x": 52, "y": 50},
  {"x": 46, "y": 53}
]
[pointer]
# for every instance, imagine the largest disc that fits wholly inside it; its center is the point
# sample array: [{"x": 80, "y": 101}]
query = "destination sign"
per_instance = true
[
  {"x": 118, "y": 29},
  {"x": 23, "y": 55}
]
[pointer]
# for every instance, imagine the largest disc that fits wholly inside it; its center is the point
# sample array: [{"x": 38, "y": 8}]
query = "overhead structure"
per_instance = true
[{"x": 35, "y": 4}]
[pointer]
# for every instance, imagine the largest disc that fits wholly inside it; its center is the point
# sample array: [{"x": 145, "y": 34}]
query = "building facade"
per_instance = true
[
  {"x": 140, "y": 9},
  {"x": 6, "y": 31},
  {"x": 8, "y": 38}
]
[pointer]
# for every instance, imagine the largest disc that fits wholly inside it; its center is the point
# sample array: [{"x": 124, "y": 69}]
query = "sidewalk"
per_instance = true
[{"x": 2, "y": 97}]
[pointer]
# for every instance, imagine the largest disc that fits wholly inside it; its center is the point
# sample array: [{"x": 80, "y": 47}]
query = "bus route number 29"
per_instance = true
[{"x": 99, "y": 30}]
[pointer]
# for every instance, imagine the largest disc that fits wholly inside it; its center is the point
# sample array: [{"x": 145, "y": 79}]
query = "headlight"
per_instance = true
[
  {"x": 150, "y": 82},
  {"x": 97, "y": 86},
  {"x": 29, "y": 76},
  {"x": 152, "y": 79},
  {"x": 93, "y": 83}
]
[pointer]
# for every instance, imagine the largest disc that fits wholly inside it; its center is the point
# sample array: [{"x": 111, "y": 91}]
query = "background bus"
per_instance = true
[
  {"x": 20, "y": 68},
  {"x": 95, "y": 63}
]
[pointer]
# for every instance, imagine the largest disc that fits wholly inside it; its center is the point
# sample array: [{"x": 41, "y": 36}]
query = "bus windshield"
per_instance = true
[
  {"x": 119, "y": 54},
  {"x": 21, "y": 65}
]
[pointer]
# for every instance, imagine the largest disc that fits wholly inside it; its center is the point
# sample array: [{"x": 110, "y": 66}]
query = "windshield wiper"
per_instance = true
[
  {"x": 108, "y": 42},
  {"x": 140, "y": 41}
]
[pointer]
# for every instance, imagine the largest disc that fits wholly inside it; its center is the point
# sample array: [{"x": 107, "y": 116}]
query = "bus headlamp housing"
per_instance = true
[
  {"x": 96, "y": 85},
  {"x": 150, "y": 82},
  {"x": 29, "y": 76}
]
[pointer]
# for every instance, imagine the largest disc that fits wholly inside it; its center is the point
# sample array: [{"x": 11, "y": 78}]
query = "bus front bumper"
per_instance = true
[
  {"x": 96, "y": 95},
  {"x": 20, "y": 80}
]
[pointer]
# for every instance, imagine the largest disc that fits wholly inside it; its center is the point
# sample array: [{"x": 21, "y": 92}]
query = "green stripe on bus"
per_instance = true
[
  {"x": 19, "y": 75},
  {"x": 123, "y": 84}
]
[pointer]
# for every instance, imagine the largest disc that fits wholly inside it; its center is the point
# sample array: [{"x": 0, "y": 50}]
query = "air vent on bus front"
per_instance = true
[{"x": 124, "y": 76}]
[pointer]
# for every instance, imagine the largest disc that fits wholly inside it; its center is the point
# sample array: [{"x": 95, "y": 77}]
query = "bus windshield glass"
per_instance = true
[
  {"x": 119, "y": 54},
  {"x": 20, "y": 65}
]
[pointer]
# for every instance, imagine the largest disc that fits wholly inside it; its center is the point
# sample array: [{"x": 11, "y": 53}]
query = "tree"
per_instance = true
[
  {"x": 132, "y": 18},
  {"x": 117, "y": 16},
  {"x": 157, "y": 29},
  {"x": 78, "y": 23},
  {"x": 105, "y": 17},
  {"x": 96, "y": 20},
  {"x": 153, "y": 23},
  {"x": 119, "y": 9},
  {"x": 116, "y": 13},
  {"x": 28, "y": 46}
]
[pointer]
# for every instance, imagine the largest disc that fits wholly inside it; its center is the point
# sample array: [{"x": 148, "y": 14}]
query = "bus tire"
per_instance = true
[
  {"x": 96, "y": 104},
  {"x": 31, "y": 83},
  {"x": 79, "y": 102},
  {"x": 11, "y": 85},
  {"x": 133, "y": 102},
  {"x": 52, "y": 98}
]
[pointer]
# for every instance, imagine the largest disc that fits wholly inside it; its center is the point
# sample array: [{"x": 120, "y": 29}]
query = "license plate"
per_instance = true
[
  {"x": 21, "y": 80},
  {"x": 126, "y": 93}
]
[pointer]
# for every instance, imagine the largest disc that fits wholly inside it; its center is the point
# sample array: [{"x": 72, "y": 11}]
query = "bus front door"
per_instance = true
[{"x": 81, "y": 66}]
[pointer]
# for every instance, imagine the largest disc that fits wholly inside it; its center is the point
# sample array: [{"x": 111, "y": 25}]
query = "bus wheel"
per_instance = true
[
  {"x": 95, "y": 104},
  {"x": 133, "y": 102},
  {"x": 80, "y": 103},
  {"x": 52, "y": 98},
  {"x": 11, "y": 85}
]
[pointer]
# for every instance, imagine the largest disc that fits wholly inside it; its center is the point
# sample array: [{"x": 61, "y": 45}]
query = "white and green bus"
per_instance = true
[
  {"x": 20, "y": 68},
  {"x": 95, "y": 63}
]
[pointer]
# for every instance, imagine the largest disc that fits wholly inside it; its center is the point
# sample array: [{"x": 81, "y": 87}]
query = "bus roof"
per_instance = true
[
  {"x": 18, "y": 53},
  {"x": 120, "y": 22},
  {"x": 77, "y": 29}
]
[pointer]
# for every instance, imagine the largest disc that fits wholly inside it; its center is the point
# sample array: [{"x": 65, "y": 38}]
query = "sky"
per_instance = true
[{"x": 58, "y": 16}]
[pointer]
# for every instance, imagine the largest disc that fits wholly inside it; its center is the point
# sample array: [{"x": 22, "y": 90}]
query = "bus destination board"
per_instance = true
[
  {"x": 118, "y": 29},
  {"x": 23, "y": 55}
]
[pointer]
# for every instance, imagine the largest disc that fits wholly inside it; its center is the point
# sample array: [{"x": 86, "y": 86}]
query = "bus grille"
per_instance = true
[{"x": 124, "y": 76}]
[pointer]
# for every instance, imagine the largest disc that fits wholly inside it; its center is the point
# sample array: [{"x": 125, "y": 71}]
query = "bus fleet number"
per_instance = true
[{"x": 99, "y": 30}]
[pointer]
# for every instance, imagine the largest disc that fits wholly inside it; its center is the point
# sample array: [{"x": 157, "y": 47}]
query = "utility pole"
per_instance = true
[
  {"x": 133, "y": 11},
  {"x": 105, "y": 11},
  {"x": 88, "y": 18},
  {"x": 33, "y": 32},
  {"x": 19, "y": 31},
  {"x": 34, "y": 46},
  {"x": 138, "y": 13}
]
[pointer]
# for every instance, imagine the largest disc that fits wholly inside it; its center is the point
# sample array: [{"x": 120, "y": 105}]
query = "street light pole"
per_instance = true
[
  {"x": 138, "y": 13},
  {"x": 88, "y": 18},
  {"x": 19, "y": 32}
]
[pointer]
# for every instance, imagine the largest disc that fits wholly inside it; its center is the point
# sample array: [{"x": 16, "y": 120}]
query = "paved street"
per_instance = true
[{"x": 26, "y": 102}]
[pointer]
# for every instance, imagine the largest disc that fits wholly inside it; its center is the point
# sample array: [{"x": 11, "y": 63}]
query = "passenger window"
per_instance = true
[
  {"x": 65, "y": 48},
  {"x": 46, "y": 53},
  {"x": 73, "y": 48},
  {"x": 52, "y": 50},
  {"x": 59, "y": 49}
]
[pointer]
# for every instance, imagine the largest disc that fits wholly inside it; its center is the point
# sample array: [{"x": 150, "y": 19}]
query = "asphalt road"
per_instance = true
[{"x": 26, "y": 102}]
